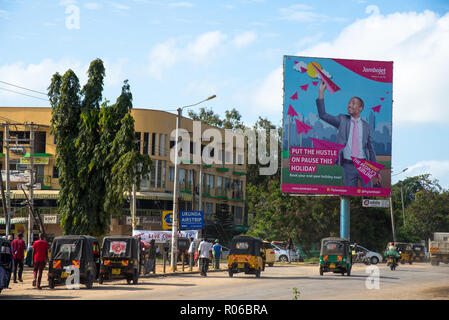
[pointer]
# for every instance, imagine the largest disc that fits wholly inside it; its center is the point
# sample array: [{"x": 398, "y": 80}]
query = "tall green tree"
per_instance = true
[{"x": 95, "y": 148}]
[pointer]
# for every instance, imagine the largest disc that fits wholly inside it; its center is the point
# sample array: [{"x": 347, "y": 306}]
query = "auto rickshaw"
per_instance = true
[
  {"x": 420, "y": 252},
  {"x": 6, "y": 263},
  {"x": 120, "y": 259},
  {"x": 406, "y": 252},
  {"x": 335, "y": 256},
  {"x": 74, "y": 251},
  {"x": 247, "y": 254},
  {"x": 270, "y": 255}
]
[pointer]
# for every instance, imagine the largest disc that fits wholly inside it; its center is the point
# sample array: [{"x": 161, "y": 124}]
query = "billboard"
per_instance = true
[{"x": 337, "y": 124}]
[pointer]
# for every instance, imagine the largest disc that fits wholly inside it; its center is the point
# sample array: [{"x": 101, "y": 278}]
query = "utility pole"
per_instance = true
[
  {"x": 200, "y": 196},
  {"x": 174, "y": 243},
  {"x": 402, "y": 201},
  {"x": 8, "y": 182},
  {"x": 392, "y": 220},
  {"x": 31, "y": 216},
  {"x": 133, "y": 208}
]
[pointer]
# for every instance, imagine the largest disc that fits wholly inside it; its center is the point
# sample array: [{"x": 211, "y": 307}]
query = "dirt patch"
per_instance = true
[{"x": 437, "y": 292}]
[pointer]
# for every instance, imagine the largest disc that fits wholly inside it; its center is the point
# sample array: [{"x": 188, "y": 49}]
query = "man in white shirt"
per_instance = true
[
  {"x": 204, "y": 252},
  {"x": 354, "y": 133}
]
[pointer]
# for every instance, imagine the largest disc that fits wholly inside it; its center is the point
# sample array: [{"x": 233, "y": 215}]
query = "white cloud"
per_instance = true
[
  {"x": 165, "y": 55},
  {"x": 417, "y": 43},
  {"x": 305, "y": 13},
  {"x": 244, "y": 39},
  {"x": 181, "y": 4},
  {"x": 92, "y": 5},
  {"x": 438, "y": 169},
  {"x": 120, "y": 6},
  {"x": 38, "y": 77},
  {"x": 267, "y": 98}
]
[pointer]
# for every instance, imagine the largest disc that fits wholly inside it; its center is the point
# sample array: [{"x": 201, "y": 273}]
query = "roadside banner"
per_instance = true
[
  {"x": 337, "y": 124},
  {"x": 163, "y": 236}
]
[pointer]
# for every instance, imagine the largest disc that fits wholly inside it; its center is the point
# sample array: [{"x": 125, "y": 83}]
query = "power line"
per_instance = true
[
  {"x": 10, "y": 84},
  {"x": 24, "y": 94}
]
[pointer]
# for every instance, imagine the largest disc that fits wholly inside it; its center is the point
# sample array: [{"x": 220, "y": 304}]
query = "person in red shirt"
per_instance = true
[
  {"x": 40, "y": 249},
  {"x": 18, "y": 249}
]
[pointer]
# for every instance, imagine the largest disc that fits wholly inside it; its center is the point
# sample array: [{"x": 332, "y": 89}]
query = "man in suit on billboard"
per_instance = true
[{"x": 354, "y": 133}]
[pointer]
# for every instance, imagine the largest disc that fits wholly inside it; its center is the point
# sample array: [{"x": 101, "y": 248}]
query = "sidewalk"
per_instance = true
[{"x": 28, "y": 276}]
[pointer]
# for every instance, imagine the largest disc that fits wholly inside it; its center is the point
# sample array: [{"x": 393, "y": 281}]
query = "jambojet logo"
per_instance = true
[{"x": 380, "y": 71}]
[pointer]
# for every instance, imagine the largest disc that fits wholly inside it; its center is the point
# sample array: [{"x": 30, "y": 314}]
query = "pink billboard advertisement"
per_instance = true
[{"x": 337, "y": 123}]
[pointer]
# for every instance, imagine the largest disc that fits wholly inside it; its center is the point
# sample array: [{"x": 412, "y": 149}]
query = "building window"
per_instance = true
[
  {"x": 238, "y": 215},
  {"x": 55, "y": 172},
  {"x": 162, "y": 144},
  {"x": 210, "y": 181},
  {"x": 153, "y": 144},
  {"x": 171, "y": 174},
  {"x": 146, "y": 138},
  {"x": 138, "y": 138},
  {"x": 159, "y": 174},
  {"x": 208, "y": 208},
  {"x": 182, "y": 176}
]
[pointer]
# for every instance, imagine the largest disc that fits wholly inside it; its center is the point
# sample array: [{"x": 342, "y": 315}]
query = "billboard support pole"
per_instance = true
[{"x": 344, "y": 218}]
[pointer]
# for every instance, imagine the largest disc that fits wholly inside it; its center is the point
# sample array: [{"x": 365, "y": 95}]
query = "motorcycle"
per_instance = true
[{"x": 392, "y": 263}]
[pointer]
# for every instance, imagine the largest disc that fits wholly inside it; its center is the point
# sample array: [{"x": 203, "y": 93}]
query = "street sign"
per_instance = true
[
  {"x": 376, "y": 203},
  {"x": 167, "y": 220},
  {"x": 191, "y": 220}
]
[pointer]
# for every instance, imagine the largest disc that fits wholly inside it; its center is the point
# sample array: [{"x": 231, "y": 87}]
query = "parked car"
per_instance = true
[
  {"x": 374, "y": 257},
  {"x": 282, "y": 255}
]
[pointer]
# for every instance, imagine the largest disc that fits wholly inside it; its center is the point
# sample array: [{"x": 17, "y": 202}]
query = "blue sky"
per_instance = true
[{"x": 176, "y": 53}]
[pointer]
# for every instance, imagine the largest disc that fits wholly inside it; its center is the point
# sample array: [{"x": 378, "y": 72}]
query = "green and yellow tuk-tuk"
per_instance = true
[
  {"x": 120, "y": 259},
  {"x": 335, "y": 256},
  {"x": 247, "y": 254}
]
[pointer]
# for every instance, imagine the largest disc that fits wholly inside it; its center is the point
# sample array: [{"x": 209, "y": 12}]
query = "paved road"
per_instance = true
[{"x": 417, "y": 281}]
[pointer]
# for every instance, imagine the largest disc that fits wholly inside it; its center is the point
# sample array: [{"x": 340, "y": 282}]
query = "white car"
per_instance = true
[
  {"x": 374, "y": 257},
  {"x": 282, "y": 255}
]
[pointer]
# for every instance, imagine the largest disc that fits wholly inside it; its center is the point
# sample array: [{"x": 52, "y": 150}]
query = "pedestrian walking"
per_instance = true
[
  {"x": 217, "y": 251},
  {"x": 18, "y": 249},
  {"x": 204, "y": 253},
  {"x": 40, "y": 248},
  {"x": 151, "y": 262},
  {"x": 289, "y": 249},
  {"x": 191, "y": 252}
]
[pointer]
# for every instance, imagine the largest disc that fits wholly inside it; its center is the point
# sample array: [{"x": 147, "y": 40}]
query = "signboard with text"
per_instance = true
[
  {"x": 337, "y": 124},
  {"x": 191, "y": 220},
  {"x": 376, "y": 203}
]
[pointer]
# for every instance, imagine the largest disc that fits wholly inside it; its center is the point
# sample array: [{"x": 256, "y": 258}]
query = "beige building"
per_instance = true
[{"x": 223, "y": 185}]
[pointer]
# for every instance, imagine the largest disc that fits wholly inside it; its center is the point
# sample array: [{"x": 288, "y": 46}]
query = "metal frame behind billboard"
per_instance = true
[{"x": 319, "y": 131}]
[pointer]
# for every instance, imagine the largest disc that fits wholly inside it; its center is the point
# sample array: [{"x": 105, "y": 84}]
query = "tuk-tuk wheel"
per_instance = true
[{"x": 231, "y": 273}]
